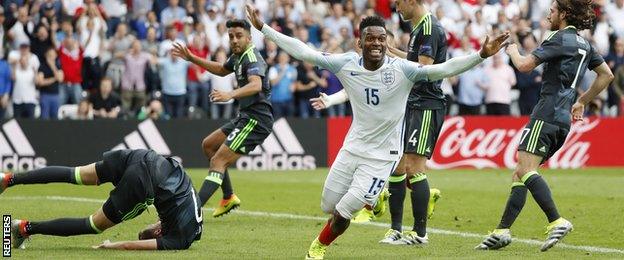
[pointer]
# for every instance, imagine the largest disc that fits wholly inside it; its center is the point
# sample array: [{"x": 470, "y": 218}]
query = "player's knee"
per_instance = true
[
  {"x": 218, "y": 161},
  {"x": 349, "y": 205},
  {"x": 327, "y": 207},
  {"x": 208, "y": 147},
  {"x": 398, "y": 174},
  {"x": 415, "y": 165},
  {"x": 519, "y": 172}
]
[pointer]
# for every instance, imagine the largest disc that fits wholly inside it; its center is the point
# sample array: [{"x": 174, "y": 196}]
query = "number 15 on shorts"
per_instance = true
[{"x": 376, "y": 186}]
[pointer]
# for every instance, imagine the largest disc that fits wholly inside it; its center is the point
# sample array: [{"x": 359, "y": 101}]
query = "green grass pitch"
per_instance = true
[{"x": 280, "y": 215}]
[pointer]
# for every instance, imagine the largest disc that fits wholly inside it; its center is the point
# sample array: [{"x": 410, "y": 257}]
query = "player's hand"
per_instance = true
[
  {"x": 220, "y": 96},
  {"x": 320, "y": 102},
  {"x": 181, "y": 51},
  {"x": 511, "y": 48},
  {"x": 254, "y": 17},
  {"x": 577, "y": 111},
  {"x": 106, "y": 244},
  {"x": 492, "y": 47}
]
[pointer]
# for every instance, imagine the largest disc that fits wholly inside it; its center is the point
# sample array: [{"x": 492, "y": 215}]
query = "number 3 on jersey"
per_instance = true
[
  {"x": 233, "y": 134},
  {"x": 371, "y": 96}
]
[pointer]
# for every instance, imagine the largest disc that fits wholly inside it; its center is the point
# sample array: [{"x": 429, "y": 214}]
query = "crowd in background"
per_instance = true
[{"x": 84, "y": 59}]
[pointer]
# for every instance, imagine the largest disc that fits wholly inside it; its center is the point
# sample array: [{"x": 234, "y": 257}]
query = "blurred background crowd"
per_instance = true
[{"x": 84, "y": 59}]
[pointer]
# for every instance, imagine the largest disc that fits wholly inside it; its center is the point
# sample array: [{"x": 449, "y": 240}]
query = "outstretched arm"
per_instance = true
[
  {"x": 149, "y": 244},
  {"x": 452, "y": 67},
  {"x": 524, "y": 64},
  {"x": 455, "y": 65},
  {"x": 292, "y": 46},
  {"x": 324, "y": 101},
  {"x": 211, "y": 66}
]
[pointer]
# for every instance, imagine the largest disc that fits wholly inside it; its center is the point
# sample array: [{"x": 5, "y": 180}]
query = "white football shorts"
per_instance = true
[{"x": 353, "y": 182}]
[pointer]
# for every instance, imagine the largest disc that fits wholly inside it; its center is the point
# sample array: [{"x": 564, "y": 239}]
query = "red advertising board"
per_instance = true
[{"x": 491, "y": 142}]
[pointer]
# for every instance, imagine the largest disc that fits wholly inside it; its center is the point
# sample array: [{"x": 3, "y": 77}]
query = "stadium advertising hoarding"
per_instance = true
[
  {"x": 491, "y": 142},
  {"x": 29, "y": 144}
]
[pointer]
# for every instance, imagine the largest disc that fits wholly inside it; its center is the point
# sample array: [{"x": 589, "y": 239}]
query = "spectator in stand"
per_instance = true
[
  {"x": 478, "y": 26},
  {"x": 173, "y": 13},
  {"x": 150, "y": 43},
  {"x": 118, "y": 46},
  {"x": 133, "y": 88},
  {"x": 85, "y": 111},
  {"x": 173, "y": 71},
  {"x": 270, "y": 53},
  {"x": 470, "y": 91},
  {"x": 223, "y": 84},
  {"x": 71, "y": 57},
  {"x": 154, "y": 110},
  {"x": 139, "y": 12},
  {"x": 24, "y": 52},
  {"x": 67, "y": 30},
  {"x": 498, "y": 90},
  {"x": 5, "y": 85},
  {"x": 337, "y": 21},
  {"x": 615, "y": 60},
  {"x": 171, "y": 34},
  {"x": 42, "y": 41},
  {"x": 48, "y": 80},
  {"x": 309, "y": 81},
  {"x": 22, "y": 28},
  {"x": 48, "y": 13},
  {"x": 529, "y": 84},
  {"x": 211, "y": 19},
  {"x": 198, "y": 85},
  {"x": 24, "y": 95},
  {"x": 91, "y": 27},
  {"x": 615, "y": 11},
  {"x": 282, "y": 77},
  {"x": 115, "y": 10},
  {"x": 105, "y": 103}
]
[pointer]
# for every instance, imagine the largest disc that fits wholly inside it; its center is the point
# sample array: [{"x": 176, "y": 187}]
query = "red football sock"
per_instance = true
[{"x": 326, "y": 236}]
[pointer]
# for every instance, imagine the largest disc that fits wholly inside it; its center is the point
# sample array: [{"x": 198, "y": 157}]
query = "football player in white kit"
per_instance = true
[{"x": 378, "y": 87}]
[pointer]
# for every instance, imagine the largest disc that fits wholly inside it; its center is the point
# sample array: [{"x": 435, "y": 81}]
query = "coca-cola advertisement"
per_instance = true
[{"x": 492, "y": 142}]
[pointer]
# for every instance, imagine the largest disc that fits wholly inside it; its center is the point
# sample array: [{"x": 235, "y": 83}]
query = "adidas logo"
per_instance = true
[
  {"x": 281, "y": 150},
  {"x": 146, "y": 137},
  {"x": 16, "y": 152},
  {"x": 543, "y": 149}
]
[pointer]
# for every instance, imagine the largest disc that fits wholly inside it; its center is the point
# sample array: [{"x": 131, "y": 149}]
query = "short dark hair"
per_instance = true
[
  {"x": 579, "y": 13},
  {"x": 238, "y": 23},
  {"x": 371, "y": 21}
]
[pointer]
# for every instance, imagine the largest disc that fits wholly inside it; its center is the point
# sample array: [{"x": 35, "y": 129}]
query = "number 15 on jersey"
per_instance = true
[{"x": 372, "y": 96}]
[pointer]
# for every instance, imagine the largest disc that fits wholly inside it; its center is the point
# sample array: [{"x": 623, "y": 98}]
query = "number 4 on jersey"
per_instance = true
[{"x": 412, "y": 139}]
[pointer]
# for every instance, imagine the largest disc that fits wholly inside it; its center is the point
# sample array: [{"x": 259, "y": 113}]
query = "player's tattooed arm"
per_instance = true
[
  {"x": 524, "y": 64},
  {"x": 324, "y": 101},
  {"x": 211, "y": 66},
  {"x": 149, "y": 244}
]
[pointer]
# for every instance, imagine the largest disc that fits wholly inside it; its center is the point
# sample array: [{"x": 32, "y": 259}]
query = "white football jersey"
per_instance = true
[{"x": 378, "y": 100}]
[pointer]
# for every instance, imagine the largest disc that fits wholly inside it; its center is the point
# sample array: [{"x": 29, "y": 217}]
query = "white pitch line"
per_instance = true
[{"x": 304, "y": 217}]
